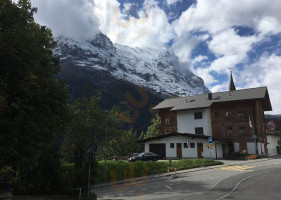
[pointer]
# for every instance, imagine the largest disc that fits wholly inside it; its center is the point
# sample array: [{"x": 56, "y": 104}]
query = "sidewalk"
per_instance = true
[{"x": 225, "y": 163}]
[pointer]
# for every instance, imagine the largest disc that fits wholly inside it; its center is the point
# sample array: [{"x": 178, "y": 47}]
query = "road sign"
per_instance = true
[
  {"x": 210, "y": 140},
  {"x": 209, "y": 145}
]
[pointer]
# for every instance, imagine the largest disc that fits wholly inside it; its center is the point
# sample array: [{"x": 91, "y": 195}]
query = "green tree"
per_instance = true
[
  {"x": 154, "y": 129},
  {"x": 34, "y": 104},
  {"x": 86, "y": 123},
  {"x": 122, "y": 144}
]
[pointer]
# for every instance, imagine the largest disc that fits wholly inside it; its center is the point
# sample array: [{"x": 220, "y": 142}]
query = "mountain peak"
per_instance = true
[{"x": 156, "y": 70}]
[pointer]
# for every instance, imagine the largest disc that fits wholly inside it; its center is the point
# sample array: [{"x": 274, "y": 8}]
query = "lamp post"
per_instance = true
[{"x": 105, "y": 151}]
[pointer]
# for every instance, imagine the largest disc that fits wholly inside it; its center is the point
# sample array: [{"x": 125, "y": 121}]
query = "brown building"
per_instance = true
[{"x": 234, "y": 119}]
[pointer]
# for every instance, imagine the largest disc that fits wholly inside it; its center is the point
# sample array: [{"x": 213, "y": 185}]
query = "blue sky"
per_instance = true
[{"x": 208, "y": 36}]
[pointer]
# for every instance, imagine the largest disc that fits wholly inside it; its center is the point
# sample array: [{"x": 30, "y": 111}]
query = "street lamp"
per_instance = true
[{"x": 105, "y": 152}]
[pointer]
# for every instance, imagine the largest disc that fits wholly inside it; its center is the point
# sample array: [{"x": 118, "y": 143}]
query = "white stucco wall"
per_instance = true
[
  {"x": 261, "y": 148},
  {"x": 187, "y": 123},
  {"x": 187, "y": 152},
  {"x": 236, "y": 147},
  {"x": 272, "y": 141},
  {"x": 251, "y": 147}
]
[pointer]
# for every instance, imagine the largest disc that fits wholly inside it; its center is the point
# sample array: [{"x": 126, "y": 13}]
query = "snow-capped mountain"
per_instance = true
[{"x": 156, "y": 70}]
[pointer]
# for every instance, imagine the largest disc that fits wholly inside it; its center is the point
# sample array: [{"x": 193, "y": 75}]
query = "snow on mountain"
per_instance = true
[{"x": 150, "y": 68}]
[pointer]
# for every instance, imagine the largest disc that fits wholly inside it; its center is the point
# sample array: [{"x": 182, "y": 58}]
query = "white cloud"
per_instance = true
[
  {"x": 230, "y": 49},
  {"x": 199, "y": 59},
  {"x": 214, "y": 16},
  {"x": 171, "y": 2},
  {"x": 150, "y": 30},
  {"x": 183, "y": 47},
  {"x": 265, "y": 72},
  {"x": 221, "y": 87},
  {"x": 75, "y": 18}
]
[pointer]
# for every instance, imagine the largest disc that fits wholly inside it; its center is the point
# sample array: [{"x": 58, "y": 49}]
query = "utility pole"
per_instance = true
[
  {"x": 90, "y": 162},
  {"x": 105, "y": 153}
]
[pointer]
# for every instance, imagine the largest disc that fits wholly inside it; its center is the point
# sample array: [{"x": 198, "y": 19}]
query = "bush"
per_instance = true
[
  {"x": 120, "y": 170},
  {"x": 6, "y": 174}
]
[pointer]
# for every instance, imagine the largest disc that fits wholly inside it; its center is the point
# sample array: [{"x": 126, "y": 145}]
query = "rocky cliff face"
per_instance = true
[
  {"x": 155, "y": 70},
  {"x": 134, "y": 79}
]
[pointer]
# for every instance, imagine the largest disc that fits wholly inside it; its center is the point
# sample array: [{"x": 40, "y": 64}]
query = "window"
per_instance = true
[
  {"x": 185, "y": 145},
  {"x": 229, "y": 131},
  {"x": 198, "y": 115},
  {"x": 228, "y": 114},
  {"x": 172, "y": 145},
  {"x": 199, "y": 131},
  {"x": 240, "y": 115},
  {"x": 242, "y": 131},
  {"x": 217, "y": 114},
  {"x": 167, "y": 121},
  {"x": 192, "y": 145}
]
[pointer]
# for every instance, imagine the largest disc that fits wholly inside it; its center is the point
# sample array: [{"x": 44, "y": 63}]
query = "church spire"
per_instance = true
[{"x": 231, "y": 83}]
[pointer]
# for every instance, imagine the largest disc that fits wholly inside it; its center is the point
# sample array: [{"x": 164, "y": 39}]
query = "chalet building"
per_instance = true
[
  {"x": 272, "y": 136},
  {"x": 234, "y": 119}
]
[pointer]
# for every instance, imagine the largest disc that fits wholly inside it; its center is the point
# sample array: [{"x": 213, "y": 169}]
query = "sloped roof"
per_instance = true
[
  {"x": 201, "y": 101},
  {"x": 185, "y": 135}
]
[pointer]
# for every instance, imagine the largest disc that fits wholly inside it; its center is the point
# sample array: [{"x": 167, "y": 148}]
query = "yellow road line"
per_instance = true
[{"x": 238, "y": 168}]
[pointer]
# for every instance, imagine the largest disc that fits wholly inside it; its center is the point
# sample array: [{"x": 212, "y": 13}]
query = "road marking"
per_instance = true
[
  {"x": 211, "y": 178},
  {"x": 143, "y": 189},
  {"x": 238, "y": 168},
  {"x": 241, "y": 182},
  {"x": 168, "y": 187}
]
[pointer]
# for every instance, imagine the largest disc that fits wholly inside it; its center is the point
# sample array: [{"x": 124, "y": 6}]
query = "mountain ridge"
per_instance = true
[
  {"x": 150, "y": 68},
  {"x": 135, "y": 79}
]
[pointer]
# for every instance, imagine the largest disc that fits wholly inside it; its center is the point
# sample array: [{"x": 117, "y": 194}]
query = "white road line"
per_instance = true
[
  {"x": 143, "y": 189},
  {"x": 192, "y": 197},
  {"x": 241, "y": 182},
  {"x": 168, "y": 187}
]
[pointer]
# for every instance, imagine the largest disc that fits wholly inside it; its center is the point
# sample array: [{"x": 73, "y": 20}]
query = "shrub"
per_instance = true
[{"x": 120, "y": 170}]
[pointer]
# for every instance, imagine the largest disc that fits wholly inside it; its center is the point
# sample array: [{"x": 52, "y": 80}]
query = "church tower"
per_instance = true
[{"x": 231, "y": 83}]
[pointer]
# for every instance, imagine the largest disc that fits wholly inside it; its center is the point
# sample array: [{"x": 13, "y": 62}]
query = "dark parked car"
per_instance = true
[{"x": 145, "y": 156}]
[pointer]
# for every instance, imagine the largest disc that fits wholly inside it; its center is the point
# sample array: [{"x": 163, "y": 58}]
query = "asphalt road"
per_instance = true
[{"x": 258, "y": 180}]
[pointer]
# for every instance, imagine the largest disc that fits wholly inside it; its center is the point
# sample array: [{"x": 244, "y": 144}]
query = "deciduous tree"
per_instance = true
[{"x": 34, "y": 104}]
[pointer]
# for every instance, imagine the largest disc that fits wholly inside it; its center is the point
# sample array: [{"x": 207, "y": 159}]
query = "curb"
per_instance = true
[{"x": 178, "y": 172}]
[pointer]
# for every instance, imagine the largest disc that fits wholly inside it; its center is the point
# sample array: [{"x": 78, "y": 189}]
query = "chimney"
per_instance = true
[{"x": 210, "y": 96}]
